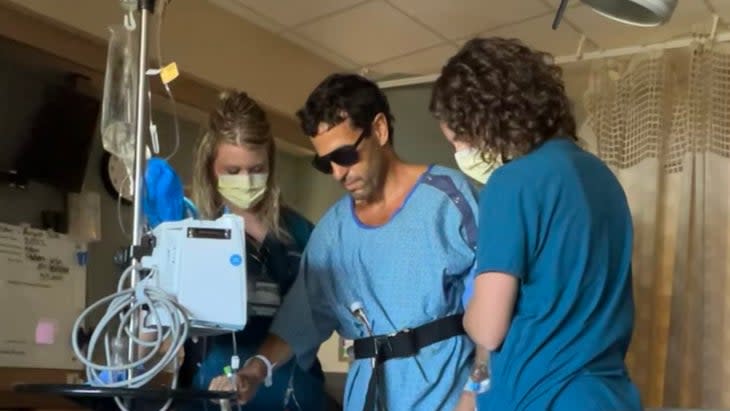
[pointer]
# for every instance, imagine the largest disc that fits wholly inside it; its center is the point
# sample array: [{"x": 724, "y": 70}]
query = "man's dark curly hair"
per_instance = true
[
  {"x": 502, "y": 97},
  {"x": 342, "y": 96}
]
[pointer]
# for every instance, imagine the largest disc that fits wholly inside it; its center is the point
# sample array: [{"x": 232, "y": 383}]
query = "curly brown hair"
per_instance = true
[{"x": 502, "y": 97}]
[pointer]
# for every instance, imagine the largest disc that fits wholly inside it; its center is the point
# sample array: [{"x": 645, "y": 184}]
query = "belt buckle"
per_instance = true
[
  {"x": 384, "y": 340},
  {"x": 378, "y": 342},
  {"x": 406, "y": 332},
  {"x": 403, "y": 331}
]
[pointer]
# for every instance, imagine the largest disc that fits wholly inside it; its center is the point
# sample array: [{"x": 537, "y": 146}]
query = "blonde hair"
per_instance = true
[{"x": 238, "y": 120}]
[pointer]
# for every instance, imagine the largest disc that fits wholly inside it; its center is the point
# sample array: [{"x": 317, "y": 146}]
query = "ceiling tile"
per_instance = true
[
  {"x": 722, "y": 7},
  {"x": 538, "y": 34},
  {"x": 321, "y": 51},
  {"x": 460, "y": 18},
  {"x": 423, "y": 62},
  {"x": 290, "y": 13},
  {"x": 608, "y": 33},
  {"x": 369, "y": 33},
  {"x": 233, "y": 6}
]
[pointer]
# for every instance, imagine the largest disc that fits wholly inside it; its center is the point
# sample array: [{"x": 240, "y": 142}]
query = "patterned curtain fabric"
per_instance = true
[{"x": 662, "y": 122}]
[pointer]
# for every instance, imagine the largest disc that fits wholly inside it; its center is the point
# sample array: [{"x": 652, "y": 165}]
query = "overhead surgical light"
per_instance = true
[{"x": 643, "y": 13}]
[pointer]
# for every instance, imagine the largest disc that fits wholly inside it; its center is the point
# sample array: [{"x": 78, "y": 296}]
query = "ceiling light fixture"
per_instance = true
[{"x": 643, "y": 13}]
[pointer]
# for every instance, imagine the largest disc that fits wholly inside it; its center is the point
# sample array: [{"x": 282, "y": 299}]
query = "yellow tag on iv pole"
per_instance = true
[{"x": 169, "y": 73}]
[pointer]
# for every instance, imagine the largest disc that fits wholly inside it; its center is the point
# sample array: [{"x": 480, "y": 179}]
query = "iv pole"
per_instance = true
[
  {"x": 138, "y": 248},
  {"x": 146, "y": 8}
]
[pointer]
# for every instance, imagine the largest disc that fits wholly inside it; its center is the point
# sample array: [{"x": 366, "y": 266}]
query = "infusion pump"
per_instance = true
[{"x": 201, "y": 264}]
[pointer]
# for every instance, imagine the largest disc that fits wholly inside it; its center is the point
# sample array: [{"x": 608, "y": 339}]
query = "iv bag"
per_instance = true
[{"x": 119, "y": 106}]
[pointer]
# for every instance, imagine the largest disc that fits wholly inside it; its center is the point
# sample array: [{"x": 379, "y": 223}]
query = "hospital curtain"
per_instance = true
[{"x": 662, "y": 122}]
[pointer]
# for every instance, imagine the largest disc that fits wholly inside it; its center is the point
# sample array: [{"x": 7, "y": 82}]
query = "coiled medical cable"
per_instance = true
[{"x": 125, "y": 304}]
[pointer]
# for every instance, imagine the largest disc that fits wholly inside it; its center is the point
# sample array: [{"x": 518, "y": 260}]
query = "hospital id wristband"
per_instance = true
[
  {"x": 477, "y": 387},
  {"x": 269, "y": 369}
]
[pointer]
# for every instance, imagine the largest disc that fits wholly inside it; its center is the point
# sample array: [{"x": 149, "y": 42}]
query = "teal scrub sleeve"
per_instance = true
[{"x": 502, "y": 244}]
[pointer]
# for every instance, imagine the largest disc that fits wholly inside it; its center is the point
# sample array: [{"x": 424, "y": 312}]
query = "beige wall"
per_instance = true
[
  {"x": 81, "y": 52},
  {"x": 209, "y": 44}
]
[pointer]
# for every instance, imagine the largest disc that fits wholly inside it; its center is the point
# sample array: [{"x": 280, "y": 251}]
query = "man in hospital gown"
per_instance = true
[{"x": 400, "y": 245}]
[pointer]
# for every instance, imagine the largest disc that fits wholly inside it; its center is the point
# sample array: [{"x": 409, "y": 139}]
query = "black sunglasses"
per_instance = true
[{"x": 344, "y": 156}]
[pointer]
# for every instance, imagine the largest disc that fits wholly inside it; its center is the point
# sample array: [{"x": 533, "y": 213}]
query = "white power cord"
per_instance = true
[{"x": 125, "y": 304}]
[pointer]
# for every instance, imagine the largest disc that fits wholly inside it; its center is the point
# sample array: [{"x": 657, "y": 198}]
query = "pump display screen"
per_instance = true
[{"x": 209, "y": 233}]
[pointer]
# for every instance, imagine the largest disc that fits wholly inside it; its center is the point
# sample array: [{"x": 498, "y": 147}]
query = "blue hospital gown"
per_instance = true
[{"x": 407, "y": 272}]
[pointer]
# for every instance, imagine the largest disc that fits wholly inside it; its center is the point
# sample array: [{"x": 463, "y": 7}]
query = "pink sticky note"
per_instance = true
[{"x": 45, "y": 332}]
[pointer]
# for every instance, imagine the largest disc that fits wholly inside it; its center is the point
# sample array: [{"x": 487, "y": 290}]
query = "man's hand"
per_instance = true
[
  {"x": 248, "y": 381},
  {"x": 467, "y": 402}
]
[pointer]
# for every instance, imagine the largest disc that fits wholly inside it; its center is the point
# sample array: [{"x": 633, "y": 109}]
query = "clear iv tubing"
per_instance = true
[
  {"x": 289, "y": 393},
  {"x": 119, "y": 210},
  {"x": 168, "y": 91},
  {"x": 235, "y": 354}
]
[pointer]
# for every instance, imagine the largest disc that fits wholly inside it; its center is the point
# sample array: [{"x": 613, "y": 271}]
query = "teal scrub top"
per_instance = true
[{"x": 558, "y": 220}]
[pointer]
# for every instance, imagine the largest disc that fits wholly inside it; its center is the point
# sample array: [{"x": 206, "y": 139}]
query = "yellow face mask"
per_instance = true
[
  {"x": 470, "y": 162},
  {"x": 243, "y": 190}
]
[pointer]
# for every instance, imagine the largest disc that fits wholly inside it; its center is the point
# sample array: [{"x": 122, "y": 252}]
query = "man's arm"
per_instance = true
[
  {"x": 276, "y": 351},
  {"x": 304, "y": 320},
  {"x": 297, "y": 322}
]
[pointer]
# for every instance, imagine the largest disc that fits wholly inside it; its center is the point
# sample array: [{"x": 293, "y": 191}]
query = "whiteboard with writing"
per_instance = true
[{"x": 42, "y": 291}]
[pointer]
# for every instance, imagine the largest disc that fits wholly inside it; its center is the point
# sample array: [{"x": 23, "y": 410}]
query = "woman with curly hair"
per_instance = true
[{"x": 553, "y": 303}]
